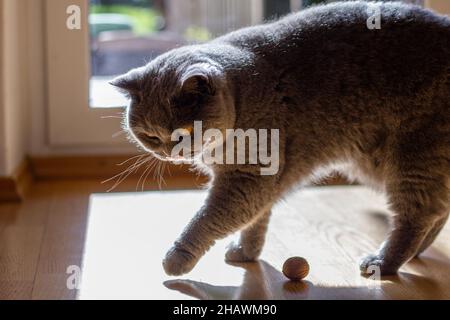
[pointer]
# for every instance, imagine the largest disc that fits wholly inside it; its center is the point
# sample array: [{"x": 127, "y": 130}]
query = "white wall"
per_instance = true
[
  {"x": 37, "y": 79},
  {"x": 2, "y": 113},
  {"x": 14, "y": 86}
]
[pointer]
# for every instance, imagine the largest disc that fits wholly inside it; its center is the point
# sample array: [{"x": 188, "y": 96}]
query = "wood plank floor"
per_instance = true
[{"x": 118, "y": 241}]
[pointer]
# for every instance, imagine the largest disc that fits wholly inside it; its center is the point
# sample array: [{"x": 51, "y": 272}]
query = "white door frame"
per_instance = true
[{"x": 71, "y": 122}]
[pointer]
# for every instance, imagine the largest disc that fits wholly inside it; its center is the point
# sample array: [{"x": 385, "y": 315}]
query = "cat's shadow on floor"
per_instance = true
[{"x": 264, "y": 282}]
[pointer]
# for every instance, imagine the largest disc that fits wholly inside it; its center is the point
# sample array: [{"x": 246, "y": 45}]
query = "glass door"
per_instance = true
[{"x": 113, "y": 37}]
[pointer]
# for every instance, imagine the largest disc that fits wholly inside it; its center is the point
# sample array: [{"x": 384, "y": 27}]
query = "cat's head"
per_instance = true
[{"x": 171, "y": 93}]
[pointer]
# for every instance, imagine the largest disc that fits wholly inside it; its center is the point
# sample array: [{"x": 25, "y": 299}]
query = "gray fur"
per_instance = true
[{"x": 373, "y": 104}]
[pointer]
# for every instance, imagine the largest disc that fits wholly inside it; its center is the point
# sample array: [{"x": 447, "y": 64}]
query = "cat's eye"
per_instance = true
[{"x": 153, "y": 140}]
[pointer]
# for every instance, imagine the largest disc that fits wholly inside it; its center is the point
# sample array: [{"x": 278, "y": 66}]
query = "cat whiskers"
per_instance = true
[
  {"x": 112, "y": 117},
  {"x": 158, "y": 174},
  {"x": 151, "y": 165},
  {"x": 118, "y": 115},
  {"x": 131, "y": 159},
  {"x": 119, "y": 133},
  {"x": 161, "y": 175},
  {"x": 123, "y": 131},
  {"x": 119, "y": 178},
  {"x": 158, "y": 168}
]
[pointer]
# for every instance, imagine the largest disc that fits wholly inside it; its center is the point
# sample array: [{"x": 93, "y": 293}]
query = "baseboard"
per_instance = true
[
  {"x": 86, "y": 167},
  {"x": 14, "y": 188},
  {"x": 98, "y": 167},
  {"x": 107, "y": 168}
]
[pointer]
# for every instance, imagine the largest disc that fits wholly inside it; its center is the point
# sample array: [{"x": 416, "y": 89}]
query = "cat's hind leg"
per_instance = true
[
  {"x": 420, "y": 207},
  {"x": 431, "y": 236},
  {"x": 251, "y": 241}
]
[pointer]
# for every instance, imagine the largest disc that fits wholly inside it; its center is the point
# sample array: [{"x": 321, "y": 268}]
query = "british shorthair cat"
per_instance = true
[{"x": 373, "y": 103}]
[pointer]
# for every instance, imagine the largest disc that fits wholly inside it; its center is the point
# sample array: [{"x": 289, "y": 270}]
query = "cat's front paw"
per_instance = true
[
  {"x": 376, "y": 264},
  {"x": 179, "y": 261},
  {"x": 238, "y": 253}
]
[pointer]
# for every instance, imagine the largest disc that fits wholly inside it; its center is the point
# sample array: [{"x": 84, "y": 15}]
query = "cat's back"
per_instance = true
[
  {"x": 343, "y": 47},
  {"x": 363, "y": 16},
  {"x": 340, "y": 20}
]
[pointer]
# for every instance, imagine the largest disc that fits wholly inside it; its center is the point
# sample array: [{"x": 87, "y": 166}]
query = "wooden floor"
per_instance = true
[{"x": 119, "y": 239}]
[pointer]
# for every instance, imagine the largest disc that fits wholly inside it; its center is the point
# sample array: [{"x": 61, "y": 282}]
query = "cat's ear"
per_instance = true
[
  {"x": 201, "y": 79},
  {"x": 129, "y": 83}
]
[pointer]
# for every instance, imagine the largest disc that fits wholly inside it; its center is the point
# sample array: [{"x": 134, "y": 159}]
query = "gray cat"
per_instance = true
[{"x": 373, "y": 103}]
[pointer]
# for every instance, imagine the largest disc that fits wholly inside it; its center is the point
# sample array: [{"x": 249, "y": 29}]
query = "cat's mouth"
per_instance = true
[
  {"x": 190, "y": 157},
  {"x": 178, "y": 159}
]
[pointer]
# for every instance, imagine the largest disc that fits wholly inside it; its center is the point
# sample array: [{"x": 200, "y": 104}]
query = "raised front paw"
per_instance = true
[
  {"x": 376, "y": 264},
  {"x": 179, "y": 261},
  {"x": 239, "y": 253}
]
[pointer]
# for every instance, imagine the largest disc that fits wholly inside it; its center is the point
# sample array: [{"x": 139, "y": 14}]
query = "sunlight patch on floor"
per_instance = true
[
  {"x": 127, "y": 237},
  {"x": 332, "y": 227}
]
